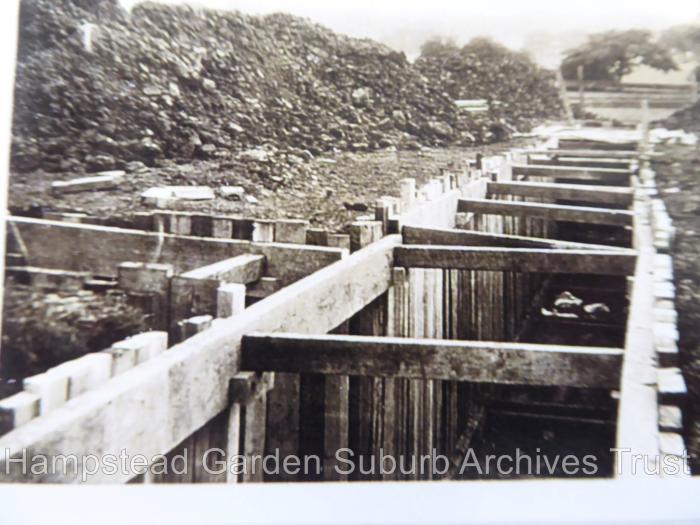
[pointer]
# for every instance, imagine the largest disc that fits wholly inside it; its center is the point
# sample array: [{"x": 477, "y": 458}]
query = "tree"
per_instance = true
[
  {"x": 683, "y": 38},
  {"x": 613, "y": 54},
  {"x": 438, "y": 47}
]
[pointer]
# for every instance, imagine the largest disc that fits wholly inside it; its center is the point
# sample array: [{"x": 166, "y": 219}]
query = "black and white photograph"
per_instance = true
[{"x": 350, "y": 262}]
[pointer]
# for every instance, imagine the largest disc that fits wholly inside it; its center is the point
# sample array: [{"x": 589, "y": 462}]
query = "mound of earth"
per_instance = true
[{"x": 98, "y": 88}]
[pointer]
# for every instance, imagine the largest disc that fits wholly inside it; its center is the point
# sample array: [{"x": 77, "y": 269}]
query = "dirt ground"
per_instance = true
[
  {"x": 678, "y": 178},
  {"x": 330, "y": 191}
]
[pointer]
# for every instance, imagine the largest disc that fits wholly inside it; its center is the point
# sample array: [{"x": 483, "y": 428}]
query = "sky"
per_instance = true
[{"x": 546, "y": 26}]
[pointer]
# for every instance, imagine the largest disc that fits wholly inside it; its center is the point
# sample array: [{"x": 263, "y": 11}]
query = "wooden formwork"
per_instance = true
[{"x": 401, "y": 347}]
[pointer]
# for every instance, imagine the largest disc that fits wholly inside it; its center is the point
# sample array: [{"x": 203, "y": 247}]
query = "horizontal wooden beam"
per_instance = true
[
  {"x": 582, "y": 143},
  {"x": 180, "y": 390},
  {"x": 454, "y": 237},
  {"x": 515, "y": 259},
  {"x": 589, "y": 153},
  {"x": 555, "y": 212},
  {"x": 637, "y": 416},
  {"x": 586, "y": 162},
  {"x": 474, "y": 361},
  {"x": 243, "y": 269},
  {"x": 563, "y": 172},
  {"x": 571, "y": 192},
  {"x": 100, "y": 249}
]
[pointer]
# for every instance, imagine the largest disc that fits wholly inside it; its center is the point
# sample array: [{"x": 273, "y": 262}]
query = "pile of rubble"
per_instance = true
[
  {"x": 42, "y": 330},
  {"x": 687, "y": 119},
  {"x": 518, "y": 93},
  {"x": 112, "y": 91},
  {"x": 101, "y": 89}
]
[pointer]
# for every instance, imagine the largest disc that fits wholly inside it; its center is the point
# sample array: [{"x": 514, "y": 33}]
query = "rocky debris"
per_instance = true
[
  {"x": 687, "y": 119},
  {"x": 176, "y": 83},
  {"x": 42, "y": 330},
  {"x": 675, "y": 136},
  {"x": 518, "y": 92},
  {"x": 314, "y": 190},
  {"x": 102, "y": 181},
  {"x": 234, "y": 193},
  {"x": 164, "y": 196}
]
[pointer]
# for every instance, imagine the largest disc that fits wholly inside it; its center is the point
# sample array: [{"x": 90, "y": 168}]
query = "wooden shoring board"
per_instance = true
[
  {"x": 619, "y": 176},
  {"x": 475, "y": 361},
  {"x": 555, "y": 212},
  {"x": 528, "y": 260},
  {"x": 637, "y": 419},
  {"x": 174, "y": 394},
  {"x": 571, "y": 192},
  {"x": 452, "y": 237},
  {"x": 585, "y": 153},
  {"x": 100, "y": 249}
]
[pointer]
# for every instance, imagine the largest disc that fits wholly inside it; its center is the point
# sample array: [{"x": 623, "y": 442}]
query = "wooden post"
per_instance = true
[
  {"x": 263, "y": 231},
  {"x": 17, "y": 410},
  {"x": 381, "y": 214},
  {"x": 339, "y": 240},
  {"x": 247, "y": 423},
  {"x": 222, "y": 228},
  {"x": 148, "y": 283},
  {"x": 291, "y": 231},
  {"x": 408, "y": 194},
  {"x": 230, "y": 299},
  {"x": 335, "y": 420},
  {"x": 579, "y": 76},
  {"x": 363, "y": 233}
]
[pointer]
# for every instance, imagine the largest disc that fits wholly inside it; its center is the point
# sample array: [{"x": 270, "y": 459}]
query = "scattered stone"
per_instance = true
[
  {"x": 234, "y": 193},
  {"x": 172, "y": 193},
  {"x": 348, "y": 94},
  {"x": 100, "y": 162},
  {"x": 256, "y": 155},
  {"x": 102, "y": 181},
  {"x": 361, "y": 97},
  {"x": 355, "y": 206}
]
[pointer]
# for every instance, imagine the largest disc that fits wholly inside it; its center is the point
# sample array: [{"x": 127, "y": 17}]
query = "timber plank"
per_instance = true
[
  {"x": 516, "y": 259},
  {"x": 475, "y": 361},
  {"x": 574, "y": 173},
  {"x": 574, "y": 192},
  {"x": 556, "y": 212},
  {"x": 454, "y": 237},
  {"x": 100, "y": 249},
  {"x": 172, "y": 395}
]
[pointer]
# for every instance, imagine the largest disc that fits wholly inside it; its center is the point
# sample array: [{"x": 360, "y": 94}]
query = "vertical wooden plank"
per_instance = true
[
  {"x": 393, "y": 409},
  {"x": 335, "y": 431},
  {"x": 153, "y": 281},
  {"x": 216, "y": 438},
  {"x": 254, "y": 430},
  {"x": 233, "y": 446},
  {"x": 311, "y": 421},
  {"x": 335, "y": 421},
  {"x": 283, "y": 419},
  {"x": 366, "y": 392}
]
